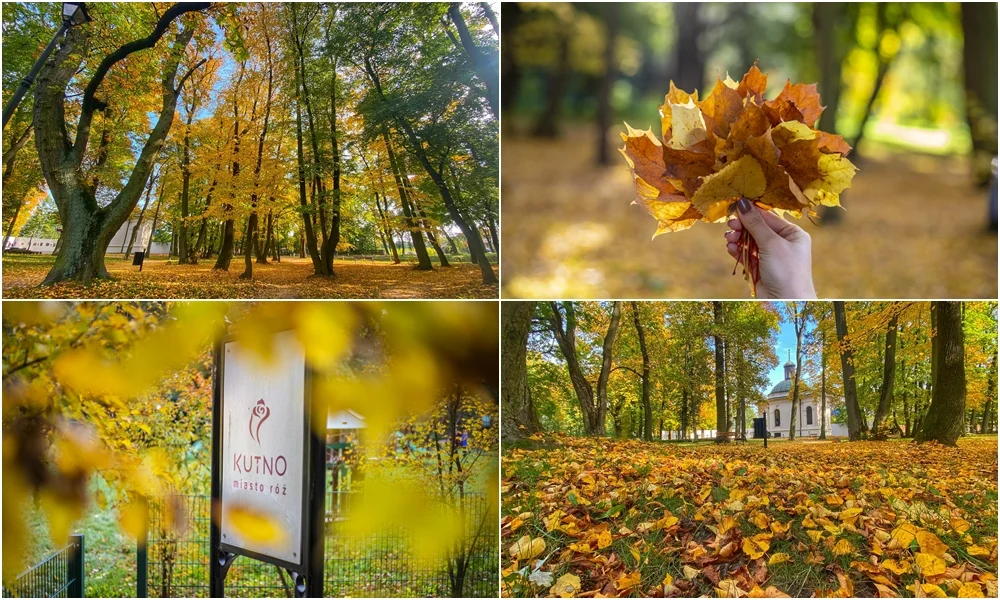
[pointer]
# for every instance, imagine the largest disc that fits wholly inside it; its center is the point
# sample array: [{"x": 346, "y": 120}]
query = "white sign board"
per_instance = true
[{"x": 263, "y": 443}]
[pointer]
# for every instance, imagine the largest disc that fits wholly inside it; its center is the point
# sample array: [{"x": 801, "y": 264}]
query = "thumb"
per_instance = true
[{"x": 753, "y": 220}]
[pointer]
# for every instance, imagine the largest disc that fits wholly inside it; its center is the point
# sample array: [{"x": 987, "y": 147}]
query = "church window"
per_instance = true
[
  {"x": 777, "y": 418},
  {"x": 809, "y": 415}
]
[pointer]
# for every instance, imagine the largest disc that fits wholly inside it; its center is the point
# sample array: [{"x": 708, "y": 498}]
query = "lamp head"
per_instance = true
[{"x": 75, "y": 13}]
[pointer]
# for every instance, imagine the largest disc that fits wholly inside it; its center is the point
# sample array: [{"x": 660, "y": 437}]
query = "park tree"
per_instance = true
[
  {"x": 519, "y": 417},
  {"x": 87, "y": 226},
  {"x": 946, "y": 414}
]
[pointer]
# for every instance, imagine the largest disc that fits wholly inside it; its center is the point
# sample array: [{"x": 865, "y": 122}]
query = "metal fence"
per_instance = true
[
  {"x": 378, "y": 564},
  {"x": 60, "y": 575}
]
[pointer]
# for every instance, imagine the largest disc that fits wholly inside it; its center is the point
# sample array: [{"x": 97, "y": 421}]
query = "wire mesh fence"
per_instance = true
[
  {"x": 60, "y": 575},
  {"x": 376, "y": 564}
]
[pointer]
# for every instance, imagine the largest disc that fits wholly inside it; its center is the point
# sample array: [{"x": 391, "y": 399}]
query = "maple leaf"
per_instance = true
[
  {"x": 756, "y": 546},
  {"x": 734, "y": 144}
]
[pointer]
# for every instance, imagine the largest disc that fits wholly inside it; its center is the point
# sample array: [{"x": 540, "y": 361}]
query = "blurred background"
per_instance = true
[{"x": 912, "y": 86}]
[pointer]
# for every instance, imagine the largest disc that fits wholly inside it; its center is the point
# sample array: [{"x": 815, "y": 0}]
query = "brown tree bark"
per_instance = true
[
  {"x": 518, "y": 418},
  {"x": 888, "y": 377},
  {"x": 612, "y": 18},
  {"x": 856, "y": 426},
  {"x": 647, "y": 408},
  {"x": 721, "y": 425},
  {"x": 944, "y": 420},
  {"x": 87, "y": 227}
]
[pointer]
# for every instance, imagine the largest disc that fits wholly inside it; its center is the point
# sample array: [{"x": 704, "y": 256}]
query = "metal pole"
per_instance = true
[
  {"x": 317, "y": 499},
  {"x": 142, "y": 563},
  {"x": 75, "y": 567},
  {"x": 216, "y": 571},
  {"x": 22, "y": 89}
]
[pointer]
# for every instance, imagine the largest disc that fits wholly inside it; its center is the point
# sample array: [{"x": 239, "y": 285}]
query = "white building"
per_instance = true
[
  {"x": 118, "y": 244},
  {"x": 778, "y": 411}
]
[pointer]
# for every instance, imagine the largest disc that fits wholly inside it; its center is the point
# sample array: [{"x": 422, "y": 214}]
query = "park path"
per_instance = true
[{"x": 914, "y": 228}]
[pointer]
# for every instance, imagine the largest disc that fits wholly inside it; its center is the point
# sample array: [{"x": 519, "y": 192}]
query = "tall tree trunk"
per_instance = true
[
  {"x": 800, "y": 324},
  {"x": 944, "y": 420},
  {"x": 822, "y": 389},
  {"x": 88, "y": 227},
  {"x": 856, "y": 426},
  {"x": 423, "y": 258},
  {"x": 519, "y": 418},
  {"x": 979, "y": 28},
  {"x": 689, "y": 57},
  {"x": 647, "y": 408},
  {"x": 991, "y": 383},
  {"x": 612, "y": 17},
  {"x": 607, "y": 349},
  {"x": 721, "y": 426},
  {"x": 250, "y": 240},
  {"x": 565, "y": 334},
  {"x": 888, "y": 376},
  {"x": 547, "y": 125},
  {"x": 509, "y": 68}
]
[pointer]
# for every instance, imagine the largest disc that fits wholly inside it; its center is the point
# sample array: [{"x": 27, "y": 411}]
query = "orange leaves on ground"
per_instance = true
[
  {"x": 735, "y": 144},
  {"x": 668, "y": 520}
]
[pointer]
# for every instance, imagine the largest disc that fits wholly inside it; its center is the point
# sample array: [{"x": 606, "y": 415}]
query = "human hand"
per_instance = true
[{"x": 785, "y": 252}]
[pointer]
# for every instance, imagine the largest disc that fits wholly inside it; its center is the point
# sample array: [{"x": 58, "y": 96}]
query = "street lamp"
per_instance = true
[{"x": 73, "y": 14}]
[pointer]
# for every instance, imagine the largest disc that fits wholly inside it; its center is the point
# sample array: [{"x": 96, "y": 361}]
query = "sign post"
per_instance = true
[{"x": 267, "y": 461}]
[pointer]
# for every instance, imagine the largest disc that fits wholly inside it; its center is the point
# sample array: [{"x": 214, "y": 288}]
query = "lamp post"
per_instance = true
[{"x": 73, "y": 14}]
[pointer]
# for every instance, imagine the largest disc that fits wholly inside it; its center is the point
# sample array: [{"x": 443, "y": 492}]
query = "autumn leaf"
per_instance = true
[
  {"x": 255, "y": 526},
  {"x": 842, "y": 547},
  {"x": 930, "y": 543},
  {"x": 743, "y": 178},
  {"x": 566, "y": 586},
  {"x": 527, "y": 548},
  {"x": 756, "y": 546},
  {"x": 929, "y": 564}
]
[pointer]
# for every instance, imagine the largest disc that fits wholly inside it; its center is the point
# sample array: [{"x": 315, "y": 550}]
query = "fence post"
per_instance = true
[
  {"x": 141, "y": 563},
  {"x": 74, "y": 567}
]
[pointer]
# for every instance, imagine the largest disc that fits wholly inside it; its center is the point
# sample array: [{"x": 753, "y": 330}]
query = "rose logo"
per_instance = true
[{"x": 258, "y": 415}]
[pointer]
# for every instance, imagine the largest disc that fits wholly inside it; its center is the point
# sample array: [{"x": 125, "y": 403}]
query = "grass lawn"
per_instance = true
[
  {"x": 807, "y": 518},
  {"x": 109, "y": 559},
  {"x": 291, "y": 278}
]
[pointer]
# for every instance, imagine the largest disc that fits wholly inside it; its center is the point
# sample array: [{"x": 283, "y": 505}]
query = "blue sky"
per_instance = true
[{"x": 786, "y": 343}]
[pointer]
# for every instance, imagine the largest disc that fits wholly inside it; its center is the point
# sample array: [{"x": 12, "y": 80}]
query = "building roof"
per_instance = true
[{"x": 781, "y": 388}]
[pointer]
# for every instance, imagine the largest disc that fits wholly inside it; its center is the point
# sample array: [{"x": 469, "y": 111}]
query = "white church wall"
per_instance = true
[{"x": 803, "y": 427}]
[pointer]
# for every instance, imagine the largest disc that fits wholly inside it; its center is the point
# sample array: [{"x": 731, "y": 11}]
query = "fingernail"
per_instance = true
[{"x": 744, "y": 205}]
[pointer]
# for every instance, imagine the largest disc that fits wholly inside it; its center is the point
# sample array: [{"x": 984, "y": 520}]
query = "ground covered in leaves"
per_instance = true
[
  {"x": 291, "y": 278},
  {"x": 600, "y": 518},
  {"x": 913, "y": 228}
]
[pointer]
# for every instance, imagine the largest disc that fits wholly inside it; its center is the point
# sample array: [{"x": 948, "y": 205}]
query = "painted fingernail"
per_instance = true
[{"x": 744, "y": 205}]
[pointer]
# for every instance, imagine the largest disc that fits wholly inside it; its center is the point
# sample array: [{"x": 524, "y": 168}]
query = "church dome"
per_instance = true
[{"x": 781, "y": 388}]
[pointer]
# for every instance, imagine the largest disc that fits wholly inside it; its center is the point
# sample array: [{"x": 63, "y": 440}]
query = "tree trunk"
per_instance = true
[
  {"x": 565, "y": 334},
  {"x": 822, "y": 389},
  {"x": 519, "y": 418},
  {"x": 856, "y": 426},
  {"x": 689, "y": 63},
  {"x": 991, "y": 382},
  {"x": 980, "y": 68},
  {"x": 547, "y": 125},
  {"x": 612, "y": 17},
  {"x": 721, "y": 426},
  {"x": 799, "y": 322},
  {"x": 607, "y": 350},
  {"x": 423, "y": 258},
  {"x": 87, "y": 227},
  {"x": 647, "y": 408},
  {"x": 888, "y": 377},
  {"x": 944, "y": 420}
]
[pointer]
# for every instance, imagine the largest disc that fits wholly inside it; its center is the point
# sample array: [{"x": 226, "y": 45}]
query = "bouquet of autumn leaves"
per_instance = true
[{"x": 735, "y": 144}]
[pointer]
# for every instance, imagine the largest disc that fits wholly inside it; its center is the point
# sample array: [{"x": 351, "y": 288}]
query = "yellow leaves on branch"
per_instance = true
[{"x": 735, "y": 144}]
